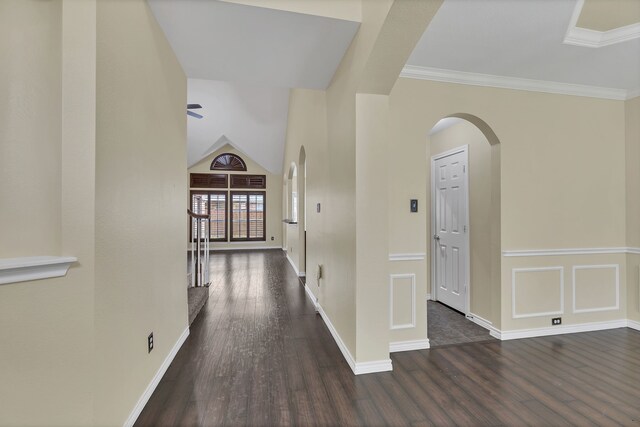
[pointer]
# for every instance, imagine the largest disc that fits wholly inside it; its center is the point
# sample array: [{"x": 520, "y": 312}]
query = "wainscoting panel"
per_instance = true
[
  {"x": 402, "y": 301},
  {"x": 596, "y": 288},
  {"x": 537, "y": 292}
]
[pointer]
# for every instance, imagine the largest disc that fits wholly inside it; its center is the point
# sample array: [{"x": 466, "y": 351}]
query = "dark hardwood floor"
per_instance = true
[{"x": 259, "y": 355}]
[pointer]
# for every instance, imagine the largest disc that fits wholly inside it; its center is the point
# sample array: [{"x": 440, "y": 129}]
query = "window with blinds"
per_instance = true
[
  {"x": 248, "y": 219},
  {"x": 214, "y": 204}
]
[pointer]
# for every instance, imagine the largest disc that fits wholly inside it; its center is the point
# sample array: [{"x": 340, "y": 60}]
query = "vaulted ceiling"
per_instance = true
[
  {"x": 241, "y": 62},
  {"x": 242, "y": 59}
]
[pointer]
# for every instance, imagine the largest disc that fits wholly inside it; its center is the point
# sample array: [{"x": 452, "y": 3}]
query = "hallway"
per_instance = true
[{"x": 259, "y": 355}]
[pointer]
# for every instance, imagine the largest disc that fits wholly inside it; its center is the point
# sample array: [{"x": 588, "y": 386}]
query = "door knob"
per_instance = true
[{"x": 436, "y": 237}]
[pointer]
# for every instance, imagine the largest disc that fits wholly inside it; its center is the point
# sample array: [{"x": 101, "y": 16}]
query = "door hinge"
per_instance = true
[
  {"x": 464, "y": 168},
  {"x": 465, "y": 228}
]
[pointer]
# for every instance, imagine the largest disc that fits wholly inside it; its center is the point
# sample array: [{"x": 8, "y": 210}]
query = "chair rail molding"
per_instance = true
[
  {"x": 13, "y": 270},
  {"x": 570, "y": 251}
]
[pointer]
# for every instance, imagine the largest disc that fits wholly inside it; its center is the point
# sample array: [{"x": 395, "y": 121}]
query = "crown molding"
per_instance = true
[
  {"x": 488, "y": 80},
  {"x": 633, "y": 93},
  {"x": 585, "y": 37}
]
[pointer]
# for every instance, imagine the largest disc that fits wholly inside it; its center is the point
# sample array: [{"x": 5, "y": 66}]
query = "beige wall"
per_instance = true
[
  {"x": 30, "y": 126},
  {"x": 46, "y": 326},
  {"x": 354, "y": 292},
  {"x": 482, "y": 211},
  {"x": 140, "y": 212},
  {"x": 339, "y": 9},
  {"x": 273, "y": 195},
  {"x": 306, "y": 128},
  {"x": 632, "y": 156},
  {"x": 547, "y": 201}
]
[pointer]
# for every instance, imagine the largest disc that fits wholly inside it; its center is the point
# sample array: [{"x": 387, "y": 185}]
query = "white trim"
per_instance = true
[
  {"x": 585, "y": 37},
  {"x": 428, "y": 297},
  {"x": 514, "y": 315},
  {"x": 460, "y": 149},
  {"x": 238, "y": 248},
  {"x": 135, "y": 413},
  {"x": 418, "y": 256},
  {"x": 634, "y": 93},
  {"x": 633, "y": 324},
  {"x": 487, "y": 80},
  {"x": 392, "y": 277},
  {"x": 293, "y": 265},
  {"x": 616, "y": 267},
  {"x": 13, "y": 270},
  {"x": 434, "y": 287},
  {"x": 395, "y": 347},
  {"x": 493, "y": 331},
  {"x": 312, "y": 297},
  {"x": 372, "y": 367},
  {"x": 562, "y": 329},
  {"x": 302, "y": 274},
  {"x": 357, "y": 368},
  {"x": 570, "y": 251}
]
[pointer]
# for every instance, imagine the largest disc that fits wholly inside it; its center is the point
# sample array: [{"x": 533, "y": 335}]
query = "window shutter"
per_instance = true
[
  {"x": 248, "y": 181},
  {"x": 208, "y": 180}
]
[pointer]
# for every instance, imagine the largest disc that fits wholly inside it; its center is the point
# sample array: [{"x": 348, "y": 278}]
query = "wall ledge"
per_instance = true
[{"x": 13, "y": 270}]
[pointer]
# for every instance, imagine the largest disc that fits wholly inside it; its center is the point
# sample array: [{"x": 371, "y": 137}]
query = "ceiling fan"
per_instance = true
[{"x": 193, "y": 107}]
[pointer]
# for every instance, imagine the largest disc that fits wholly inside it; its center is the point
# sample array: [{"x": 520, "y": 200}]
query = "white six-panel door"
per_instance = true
[{"x": 450, "y": 249}]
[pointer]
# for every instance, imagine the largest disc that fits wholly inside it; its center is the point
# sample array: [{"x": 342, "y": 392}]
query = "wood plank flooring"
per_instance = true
[{"x": 258, "y": 355}]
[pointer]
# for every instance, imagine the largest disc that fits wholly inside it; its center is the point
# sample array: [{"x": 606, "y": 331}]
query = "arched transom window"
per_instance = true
[{"x": 228, "y": 162}]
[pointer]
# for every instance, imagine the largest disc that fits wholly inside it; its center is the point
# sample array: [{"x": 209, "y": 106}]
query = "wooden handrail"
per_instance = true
[{"x": 199, "y": 216}]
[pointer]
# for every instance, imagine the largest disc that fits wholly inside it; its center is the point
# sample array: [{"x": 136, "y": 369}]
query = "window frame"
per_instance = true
[
  {"x": 264, "y": 216},
  {"x": 226, "y": 210}
]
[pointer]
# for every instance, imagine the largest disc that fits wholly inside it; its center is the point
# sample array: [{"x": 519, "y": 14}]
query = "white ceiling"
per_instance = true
[
  {"x": 216, "y": 40},
  {"x": 251, "y": 118},
  {"x": 522, "y": 39},
  {"x": 241, "y": 61}
]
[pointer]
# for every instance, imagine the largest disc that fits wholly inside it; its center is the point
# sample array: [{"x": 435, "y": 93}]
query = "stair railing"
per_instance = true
[{"x": 200, "y": 246}]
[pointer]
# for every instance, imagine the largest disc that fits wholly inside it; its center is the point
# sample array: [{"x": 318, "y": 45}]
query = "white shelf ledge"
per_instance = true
[{"x": 14, "y": 270}]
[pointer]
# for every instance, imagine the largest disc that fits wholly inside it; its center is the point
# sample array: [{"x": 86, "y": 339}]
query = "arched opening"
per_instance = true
[
  {"x": 302, "y": 211},
  {"x": 292, "y": 196},
  {"x": 464, "y": 229}
]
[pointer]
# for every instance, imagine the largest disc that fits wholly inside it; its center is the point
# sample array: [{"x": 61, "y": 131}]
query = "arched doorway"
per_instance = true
[
  {"x": 302, "y": 210},
  {"x": 464, "y": 228}
]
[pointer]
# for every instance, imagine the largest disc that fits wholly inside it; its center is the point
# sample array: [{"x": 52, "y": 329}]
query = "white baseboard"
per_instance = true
[
  {"x": 633, "y": 324},
  {"x": 302, "y": 274},
  {"x": 312, "y": 297},
  {"x": 493, "y": 331},
  {"x": 373, "y": 367},
  {"x": 236, "y": 248},
  {"x": 428, "y": 297},
  {"x": 357, "y": 368},
  {"x": 293, "y": 265},
  {"x": 156, "y": 380},
  {"x": 559, "y": 330},
  {"x": 398, "y": 346},
  {"x": 242, "y": 248}
]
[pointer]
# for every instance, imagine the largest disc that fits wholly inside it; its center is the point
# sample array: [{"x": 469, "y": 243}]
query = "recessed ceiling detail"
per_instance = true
[
  {"x": 595, "y": 38},
  {"x": 519, "y": 45}
]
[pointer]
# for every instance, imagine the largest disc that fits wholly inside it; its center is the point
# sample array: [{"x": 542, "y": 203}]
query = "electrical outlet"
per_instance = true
[
  {"x": 150, "y": 342},
  {"x": 271, "y": 238},
  {"x": 556, "y": 321}
]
